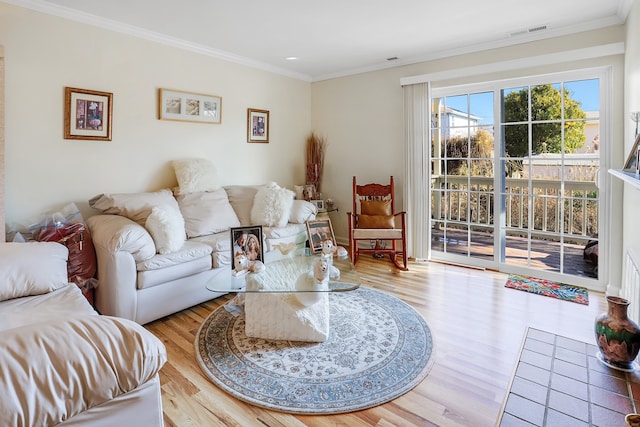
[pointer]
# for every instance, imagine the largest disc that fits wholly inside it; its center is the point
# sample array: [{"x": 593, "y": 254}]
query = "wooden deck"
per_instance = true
[{"x": 545, "y": 255}]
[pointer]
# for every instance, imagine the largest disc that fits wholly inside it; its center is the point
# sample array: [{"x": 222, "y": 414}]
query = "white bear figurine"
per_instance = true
[
  {"x": 310, "y": 284},
  {"x": 243, "y": 265},
  {"x": 329, "y": 249}
]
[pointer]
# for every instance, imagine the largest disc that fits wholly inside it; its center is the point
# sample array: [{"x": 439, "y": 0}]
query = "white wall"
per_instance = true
[
  {"x": 632, "y": 103},
  {"x": 362, "y": 115},
  {"x": 43, "y": 54}
]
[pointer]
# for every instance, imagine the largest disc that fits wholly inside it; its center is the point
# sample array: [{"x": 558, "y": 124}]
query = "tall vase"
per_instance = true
[{"x": 617, "y": 336}]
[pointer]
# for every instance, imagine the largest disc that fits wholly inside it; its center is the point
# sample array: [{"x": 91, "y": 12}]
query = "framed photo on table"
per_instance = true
[
  {"x": 87, "y": 114},
  {"x": 247, "y": 240},
  {"x": 257, "y": 125},
  {"x": 319, "y": 230},
  {"x": 319, "y": 204},
  {"x": 189, "y": 107}
]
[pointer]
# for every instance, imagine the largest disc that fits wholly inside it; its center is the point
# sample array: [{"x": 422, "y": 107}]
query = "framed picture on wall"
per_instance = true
[
  {"x": 257, "y": 125},
  {"x": 87, "y": 114},
  {"x": 189, "y": 107}
]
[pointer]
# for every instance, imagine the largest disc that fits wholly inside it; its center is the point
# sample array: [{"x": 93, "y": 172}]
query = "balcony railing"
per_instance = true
[{"x": 546, "y": 208}]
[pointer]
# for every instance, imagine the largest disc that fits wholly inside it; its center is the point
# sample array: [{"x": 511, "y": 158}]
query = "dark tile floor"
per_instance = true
[{"x": 560, "y": 382}]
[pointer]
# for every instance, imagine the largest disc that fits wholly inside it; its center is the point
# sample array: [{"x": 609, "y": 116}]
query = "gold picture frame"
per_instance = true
[
  {"x": 189, "y": 107},
  {"x": 87, "y": 114},
  {"x": 257, "y": 125}
]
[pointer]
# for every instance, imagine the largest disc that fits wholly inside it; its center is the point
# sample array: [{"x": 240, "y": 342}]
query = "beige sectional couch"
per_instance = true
[
  {"x": 60, "y": 362},
  {"x": 143, "y": 275}
]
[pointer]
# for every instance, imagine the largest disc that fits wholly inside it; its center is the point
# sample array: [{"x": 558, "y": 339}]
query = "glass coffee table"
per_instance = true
[
  {"x": 280, "y": 273},
  {"x": 275, "y": 306}
]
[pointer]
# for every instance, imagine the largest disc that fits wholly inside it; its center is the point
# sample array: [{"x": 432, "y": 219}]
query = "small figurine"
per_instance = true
[
  {"x": 243, "y": 265},
  {"x": 311, "y": 283},
  {"x": 329, "y": 249}
]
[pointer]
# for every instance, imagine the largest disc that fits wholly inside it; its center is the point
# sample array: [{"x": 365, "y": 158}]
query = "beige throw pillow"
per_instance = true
[
  {"x": 207, "y": 212},
  {"x": 135, "y": 206},
  {"x": 32, "y": 268}
]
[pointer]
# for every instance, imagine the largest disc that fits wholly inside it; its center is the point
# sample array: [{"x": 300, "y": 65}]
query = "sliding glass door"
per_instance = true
[{"x": 514, "y": 174}]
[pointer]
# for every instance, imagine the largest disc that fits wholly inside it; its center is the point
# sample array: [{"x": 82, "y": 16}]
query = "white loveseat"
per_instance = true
[
  {"x": 143, "y": 278},
  {"x": 60, "y": 362}
]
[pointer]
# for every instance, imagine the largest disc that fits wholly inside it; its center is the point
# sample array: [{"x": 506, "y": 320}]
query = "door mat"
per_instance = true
[{"x": 549, "y": 288}]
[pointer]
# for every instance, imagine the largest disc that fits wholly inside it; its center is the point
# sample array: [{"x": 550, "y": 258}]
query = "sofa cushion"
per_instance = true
[
  {"x": 150, "y": 278},
  {"x": 241, "y": 199},
  {"x": 189, "y": 251},
  {"x": 167, "y": 229},
  {"x": 272, "y": 206},
  {"x": 76, "y": 363},
  {"x": 219, "y": 242},
  {"x": 44, "y": 308},
  {"x": 135, "y": 206},
  {"x": 207, "y": 212},
  {"x": 302, "y": 211},
  {"x": 195, "y": 175},
  {"x": 32, "y": 268}
]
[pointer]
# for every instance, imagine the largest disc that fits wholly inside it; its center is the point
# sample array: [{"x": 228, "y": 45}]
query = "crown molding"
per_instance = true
[{"x": 111, "y": 25}]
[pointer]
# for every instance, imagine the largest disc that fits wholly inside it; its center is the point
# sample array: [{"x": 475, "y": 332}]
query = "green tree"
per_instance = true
[{"x": 546, "y": 105}]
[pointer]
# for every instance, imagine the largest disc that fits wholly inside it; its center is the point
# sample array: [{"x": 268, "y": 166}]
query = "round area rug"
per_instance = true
[{"x": 378, "y": 349}]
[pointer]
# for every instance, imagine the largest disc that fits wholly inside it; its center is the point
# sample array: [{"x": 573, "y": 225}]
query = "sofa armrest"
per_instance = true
[
  {"x": 120, "y": 244},
  {"x": 117, "y": 233}
]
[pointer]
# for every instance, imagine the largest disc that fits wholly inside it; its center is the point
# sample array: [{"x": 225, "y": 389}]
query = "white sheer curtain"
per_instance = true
[{"x": 417, "y": 156}]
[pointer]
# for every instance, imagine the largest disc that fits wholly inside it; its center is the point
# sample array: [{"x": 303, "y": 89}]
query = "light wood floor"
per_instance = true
[{"x": 477, "y": 324}]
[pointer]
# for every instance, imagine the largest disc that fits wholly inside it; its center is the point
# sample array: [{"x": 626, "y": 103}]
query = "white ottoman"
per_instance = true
[{"x": 280, "y": 316}]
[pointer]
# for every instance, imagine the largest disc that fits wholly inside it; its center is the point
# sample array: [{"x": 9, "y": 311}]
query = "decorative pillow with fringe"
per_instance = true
[{"x": 272, "y": 206}]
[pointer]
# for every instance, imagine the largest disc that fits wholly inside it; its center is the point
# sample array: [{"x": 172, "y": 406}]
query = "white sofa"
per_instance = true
[
  {"x": 138, "y": 280},
  {"x": 60, "y": 362}
]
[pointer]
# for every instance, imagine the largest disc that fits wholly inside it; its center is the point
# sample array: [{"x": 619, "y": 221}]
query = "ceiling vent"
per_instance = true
[{"x": 528, "y": 31}]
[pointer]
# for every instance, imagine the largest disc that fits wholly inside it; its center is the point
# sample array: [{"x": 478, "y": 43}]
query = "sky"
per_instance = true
[{"x": 587, "y": 92}]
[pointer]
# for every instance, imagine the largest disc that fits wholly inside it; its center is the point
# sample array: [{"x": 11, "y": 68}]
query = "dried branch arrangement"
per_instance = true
[{"x": 316, "y": 147}]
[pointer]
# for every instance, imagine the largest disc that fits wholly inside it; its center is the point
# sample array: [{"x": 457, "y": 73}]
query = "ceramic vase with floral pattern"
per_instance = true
[{"x": 617, "y": 336}]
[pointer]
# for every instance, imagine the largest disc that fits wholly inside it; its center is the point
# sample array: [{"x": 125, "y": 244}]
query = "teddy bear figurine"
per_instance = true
[{"x": 242, "y": 265}]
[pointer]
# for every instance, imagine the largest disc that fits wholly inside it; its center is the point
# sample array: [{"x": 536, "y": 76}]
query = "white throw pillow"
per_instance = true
[
  {"x": 302, "y": 211},
  {"x": 195, "y": 175},
  {"x": 207, "y": 212},
  {"x": 272, "y": 205},
  {"x": 135, "y": 206},
  {"x": 166, "y": 227},
  {"x": 32, "y": 268}
]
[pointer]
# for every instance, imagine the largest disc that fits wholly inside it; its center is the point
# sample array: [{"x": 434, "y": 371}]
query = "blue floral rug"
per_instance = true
[{"x": 378, "y": 349}]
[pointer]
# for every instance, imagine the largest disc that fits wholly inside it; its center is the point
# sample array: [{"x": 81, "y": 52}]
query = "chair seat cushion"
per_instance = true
[
  {"x": 376, "y": 221},
  {"x": 378, "y": 233}
]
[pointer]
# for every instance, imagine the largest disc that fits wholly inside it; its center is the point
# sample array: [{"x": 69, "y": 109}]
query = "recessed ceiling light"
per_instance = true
[{"x": 291, "y": 58}]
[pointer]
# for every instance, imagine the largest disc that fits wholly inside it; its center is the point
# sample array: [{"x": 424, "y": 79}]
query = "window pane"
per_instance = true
[{"x": 515, "y": 104}]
